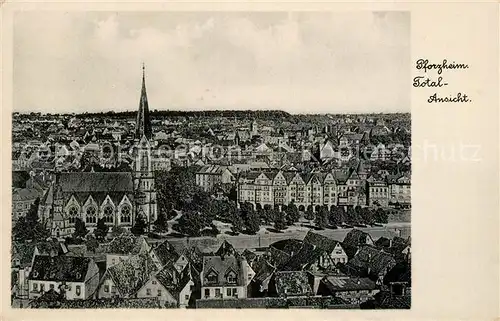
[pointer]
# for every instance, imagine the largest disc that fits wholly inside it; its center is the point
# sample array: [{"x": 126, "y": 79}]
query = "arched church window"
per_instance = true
[
  {"x": 72, "y": 213},
  {"x": 91, "y": 216},
  {"x": 125, "y": 214},
  {"x": 108, "y": 214}
]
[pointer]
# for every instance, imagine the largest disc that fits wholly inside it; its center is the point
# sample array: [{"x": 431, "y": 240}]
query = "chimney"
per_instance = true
[{"x": 390, "y": 243}]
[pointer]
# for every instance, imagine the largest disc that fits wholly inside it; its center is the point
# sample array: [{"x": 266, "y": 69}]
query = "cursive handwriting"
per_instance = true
[
  {"x": 458, "y": 98},
  {"x": 421, "y": 81},
  {"x": 423, "y": 64}
]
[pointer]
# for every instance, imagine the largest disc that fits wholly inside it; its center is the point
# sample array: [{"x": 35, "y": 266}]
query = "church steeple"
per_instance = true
[{"x": 143, "y": 125}]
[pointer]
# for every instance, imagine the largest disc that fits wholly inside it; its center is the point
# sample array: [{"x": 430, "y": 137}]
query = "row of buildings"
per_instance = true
[{"x": 342, "y": 273}]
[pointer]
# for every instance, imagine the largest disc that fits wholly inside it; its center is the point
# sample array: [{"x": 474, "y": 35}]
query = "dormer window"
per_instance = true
[
  {"x": 211, "y": 277},
  {"x": 231, "y": 277}
]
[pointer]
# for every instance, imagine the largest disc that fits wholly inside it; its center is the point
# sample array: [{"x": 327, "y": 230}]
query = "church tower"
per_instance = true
[{"x": 144, "y": 182}]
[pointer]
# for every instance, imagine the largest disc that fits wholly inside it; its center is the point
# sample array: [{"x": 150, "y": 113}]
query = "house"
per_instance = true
[
  {"x": 210, "y": 176},
  {"x": 378, "y": 193},
  {"x": 170, "y": 286},
  {"x": 353, "y": 290},
  {"x": 292, "y": 283},
  {"x": 123, "y": 247},
  {"x": 333, "y": 248},
  {"x": 163, "y": 254},
  {"x": 371, "y": 262},
  {"x": 124, "y": 279},
  {"x": 225, "y": 277},
  {"x": 76, "y": 277},
  {"x": 355, "y": 239}
]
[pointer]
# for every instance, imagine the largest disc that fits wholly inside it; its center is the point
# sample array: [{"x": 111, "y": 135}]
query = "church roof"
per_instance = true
[
  {"x": 96, "y": 182},
  {"x": 143, "y": 125}
]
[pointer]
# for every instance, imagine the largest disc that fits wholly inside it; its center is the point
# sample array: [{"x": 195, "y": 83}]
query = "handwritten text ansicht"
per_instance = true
[{"x": 425, "y": 81}]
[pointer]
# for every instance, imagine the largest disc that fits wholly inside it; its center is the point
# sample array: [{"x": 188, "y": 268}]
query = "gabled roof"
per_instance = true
[
  {"x": 126, "y": 245},
  {"x": 95, "y": 182},
  {"x": 306, "y": 256},
  {"x": 288, "y": 246},
  {"x": 369, "y": 257},
  {"x": 129, "y": 275},
  {"x": 221, "y": 266},
  {"x": 339, "y": 284},
  {"x": 165, "y": 252},
  {"x": 225, "y": 249},
  {"x": 320, "y": 241},
  {"x": 292, "y": 283},
  {"x": 60, "y": 268}
]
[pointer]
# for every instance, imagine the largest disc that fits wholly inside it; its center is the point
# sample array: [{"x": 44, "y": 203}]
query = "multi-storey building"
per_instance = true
[{"x": 305, "y": 190}]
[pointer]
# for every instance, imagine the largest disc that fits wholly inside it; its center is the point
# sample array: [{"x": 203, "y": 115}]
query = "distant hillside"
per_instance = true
[{"x": 257, "y": 114}]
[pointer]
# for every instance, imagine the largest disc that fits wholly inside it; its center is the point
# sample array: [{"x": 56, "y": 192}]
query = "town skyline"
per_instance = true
[{"x": 195, "y": 62}]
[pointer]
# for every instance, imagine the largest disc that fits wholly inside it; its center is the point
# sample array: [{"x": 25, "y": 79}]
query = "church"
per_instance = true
[{"x": 117, "y": 197}]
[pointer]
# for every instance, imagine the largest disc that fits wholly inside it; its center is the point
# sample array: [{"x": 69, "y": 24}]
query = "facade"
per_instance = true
[
  {"x": 305, "y": 190},
  {"x": 76, "y": 277},
  {"x": 225, "y": 277},
  {"x": 117, "y": 197},
  {"x": 208, "y": 177},
  {"x": 378, "y": 193}
]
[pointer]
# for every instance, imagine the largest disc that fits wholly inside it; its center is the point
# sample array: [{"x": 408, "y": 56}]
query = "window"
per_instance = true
[
  {"x": 235, "y": 292},
  {"x": 72, "y": 213},
  {"x": 106, "y": 288},
  {"x": 148, "y": 291},
  {"x": 153, "y": 282},
  {"x": 112, "y": 261},
  {"x": 113, "y": 290},
  {"x": 91, "y": 215},
  {"x": 35, "y": 287},
  {"x": 108, "y": 214},
  {"x": 212, "y": 277},
  {"x": 42, "y": 287},
  {"x": 159, "y": 292},
  {"x": 51, "y": 286},
  {"x": 217, "y": 293},
  {"x": 207, "y": 293},
  {"x": 231, "y": 277},
  {"x": 125, "y": 214},
  {"x": 186, "y": 297},
  {"x": 78, "y": 290},
  {"x": 228, "y": 292}
]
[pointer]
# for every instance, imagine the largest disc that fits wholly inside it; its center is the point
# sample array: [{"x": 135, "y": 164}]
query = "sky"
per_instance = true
[{"x": 300, "y": 62}]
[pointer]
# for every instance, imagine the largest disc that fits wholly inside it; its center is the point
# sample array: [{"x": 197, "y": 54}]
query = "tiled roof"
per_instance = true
[
  {"x": 221, "y": 266},
  {"x": 126, "y": 245},
  {"x": 96, "y": 182},
  {"x": 277, "y": 257},
  {"x": 336, "y": 284},
  {"x": 165, "y": 252},
  {"x": 225, "y": 249},
  {"x": 306, "y": 256},
  {"x": 288, "y": 246},
  {"x": 292, "y": 283},
  {"x": 60, "y": 268},
  {"x": 129, "y": 275},
  {"x": 320, "y": 241},
  {"x": 369, "y": 257}
]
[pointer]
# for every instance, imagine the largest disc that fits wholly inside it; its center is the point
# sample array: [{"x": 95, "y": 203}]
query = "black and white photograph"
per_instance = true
[{"x": 211, "y": 160}]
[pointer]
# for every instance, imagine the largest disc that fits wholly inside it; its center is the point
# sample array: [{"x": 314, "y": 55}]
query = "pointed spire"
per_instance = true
[{"x": 143, "y": 125}]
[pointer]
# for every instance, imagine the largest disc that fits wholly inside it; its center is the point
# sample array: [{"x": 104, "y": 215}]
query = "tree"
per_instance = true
[
  {"x": 92, "y": 243},
  {"x": 309, "y": 215},
  {"x": 161, "y": 223},
  {"x": 101, "y": 229},
  {"x": 80, "y": 229},
  {"x": 293, "y": 214},
  {"x": 252, "y": 220},
  {"x": 117, "y": 231},
  {"x": 140, "y": 226},
  {"x": 238, "y": 225},
  {"x": 189, "y": 224},
  {"x": 321, "y": 219},
  {"x": 279, "y": 221},
  {"x": 29, "y": 227},
  {"x": 335, "y": 217},
  {"x": 381, "y": 216}
]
